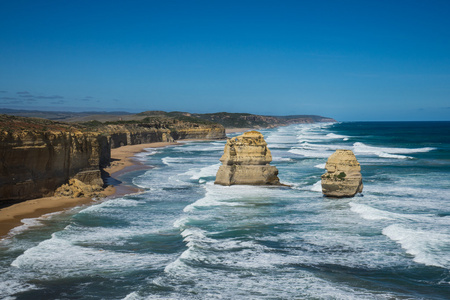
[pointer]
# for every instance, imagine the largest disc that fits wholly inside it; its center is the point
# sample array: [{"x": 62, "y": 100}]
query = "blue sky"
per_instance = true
[{"x": 351, "y": 60}]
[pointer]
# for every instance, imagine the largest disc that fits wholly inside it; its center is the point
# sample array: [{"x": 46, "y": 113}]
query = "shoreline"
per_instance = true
[{"x": 122, "y": 162}]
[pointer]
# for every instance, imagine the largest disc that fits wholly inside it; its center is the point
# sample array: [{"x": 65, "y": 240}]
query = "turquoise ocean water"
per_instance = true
[{"x": 185, "y": 238}]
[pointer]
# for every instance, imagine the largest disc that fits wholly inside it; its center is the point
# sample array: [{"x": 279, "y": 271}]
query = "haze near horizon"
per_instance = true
[{"x": 349, "y": 60}]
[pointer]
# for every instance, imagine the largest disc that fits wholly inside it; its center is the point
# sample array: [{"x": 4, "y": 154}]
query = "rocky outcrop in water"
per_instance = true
[
  {"x": 343, "y": 177},
  {"x": 246, "y": 160}
]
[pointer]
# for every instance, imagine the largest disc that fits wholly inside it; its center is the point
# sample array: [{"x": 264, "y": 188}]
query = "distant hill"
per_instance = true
[
  {"x": 243, "y": 120},
  {"x": 228, "y": 120}
]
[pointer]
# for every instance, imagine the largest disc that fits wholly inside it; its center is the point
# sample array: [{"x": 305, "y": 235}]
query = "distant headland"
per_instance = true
[{"x": 228, "y": 120}]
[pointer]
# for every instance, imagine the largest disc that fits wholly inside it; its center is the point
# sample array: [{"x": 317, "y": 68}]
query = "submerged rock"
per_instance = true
[
  {"x": 246, "y": 160},
  {"x": 343, "y": 177}
]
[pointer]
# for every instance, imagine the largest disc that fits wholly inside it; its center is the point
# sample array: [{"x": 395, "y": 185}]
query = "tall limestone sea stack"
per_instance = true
[
  {"x": 246, "y": 160},
  {"x": 343, "y": 177}
]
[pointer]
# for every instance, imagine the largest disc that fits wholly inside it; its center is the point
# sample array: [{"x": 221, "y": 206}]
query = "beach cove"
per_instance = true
[{"x": 122, "y": 162}]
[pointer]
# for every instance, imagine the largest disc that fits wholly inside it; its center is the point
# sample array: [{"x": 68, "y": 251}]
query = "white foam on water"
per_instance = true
[
  {"x": 29, "y": 223},
  {"x": 10, "y": 287},
  {"x": 427, "y": 247},
  {"x": 370, "y": 213},
  {"x": 336, "y": 136},
  {"x": 118, "y": 202},
  {"x": 278, "y": 158},
  {"x": 60, "y": 258},
  {"x": 143, "y": 156},
  {"x": 208, "y": 171},
  {"x": 235, "y": 195},
  {"x": 315, "y": 150},
  {"x": 402, "y": 190},
  {"x": 181, "y": 222},
  {"x": 105, "y": 235},
  {"x": 175, "y": 160},
  {"x": 310, "y": 153},
  {"x": 259, "y": 271},
  {"x": 317, "y": 187},
  {"x": 320, "y": 166},
  {"x": 386, "y": 152},
  {"x": 133, "y": 296}
]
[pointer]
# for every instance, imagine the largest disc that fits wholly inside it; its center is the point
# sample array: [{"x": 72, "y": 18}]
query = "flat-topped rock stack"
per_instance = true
[
  {"x": 246, "y": 160},
  {"x": 343, "y": 177}
]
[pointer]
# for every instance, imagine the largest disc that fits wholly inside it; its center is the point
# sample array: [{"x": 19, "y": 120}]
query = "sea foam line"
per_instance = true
[
  {"x": 387, "y": 152},
  {"x": 427, "y": 247}
]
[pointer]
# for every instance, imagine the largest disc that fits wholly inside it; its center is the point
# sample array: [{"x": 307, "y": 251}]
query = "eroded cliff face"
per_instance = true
[
  {"x": 246, "y": 160},
  {"x": 33, "y": 164},
  {"x": 134, "y": 134},
  {"x": 183, "y": 130},
  {"x": 141, "y": 133},
  {"x": 343, "y": 177}
]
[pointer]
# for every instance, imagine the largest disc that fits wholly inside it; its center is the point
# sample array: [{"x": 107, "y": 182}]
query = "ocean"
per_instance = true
[{"x": 186, "y": 238}]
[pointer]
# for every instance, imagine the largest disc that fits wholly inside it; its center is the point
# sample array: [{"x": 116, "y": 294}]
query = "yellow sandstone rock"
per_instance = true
[
  {"x": 246, "y": 160},
  {"x": 75, "y": 188},
  {"x": 343, "y": 177}
]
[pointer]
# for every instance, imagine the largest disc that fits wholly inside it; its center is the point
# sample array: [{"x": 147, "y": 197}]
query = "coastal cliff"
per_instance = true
[
  {"x": 34, "y": 161},
  {"x": 37, "y": 156},
  {"x": 144, "y": 132}
]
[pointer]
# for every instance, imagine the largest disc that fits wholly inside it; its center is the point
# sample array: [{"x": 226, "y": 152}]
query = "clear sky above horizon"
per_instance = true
[{"x": 350, "y": 60}]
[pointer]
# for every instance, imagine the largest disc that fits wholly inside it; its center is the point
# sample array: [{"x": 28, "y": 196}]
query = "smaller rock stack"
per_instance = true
[
  {"x": 246, "y": 160},
  {"x": 343, "y": 177}
]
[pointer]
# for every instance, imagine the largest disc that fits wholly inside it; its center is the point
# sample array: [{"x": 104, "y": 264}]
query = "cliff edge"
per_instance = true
[{"x": 37, "y": 156}]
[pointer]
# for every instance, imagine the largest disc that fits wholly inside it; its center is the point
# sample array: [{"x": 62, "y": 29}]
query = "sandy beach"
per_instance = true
[{"x": 122, "y": 162}]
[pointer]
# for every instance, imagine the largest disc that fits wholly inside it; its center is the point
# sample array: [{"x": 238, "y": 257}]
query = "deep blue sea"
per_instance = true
[{"x": 186, "y": 238}]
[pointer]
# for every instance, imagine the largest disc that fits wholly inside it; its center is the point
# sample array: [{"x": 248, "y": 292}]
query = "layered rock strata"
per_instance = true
[
  {"x": 246, "y": 160},
  {"x": 343, "y": 177},
  {"x": 133, "y": 134},
  {"x": 34, "y": 164}
]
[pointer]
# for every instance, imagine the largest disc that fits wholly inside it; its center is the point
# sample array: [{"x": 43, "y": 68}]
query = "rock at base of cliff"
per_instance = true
[
  {"x": 343, "y": 177},
  {"x": 246, "y": 161},
  {"x": 92, "y": 177},
  {"x": 75, "y": 188}
]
